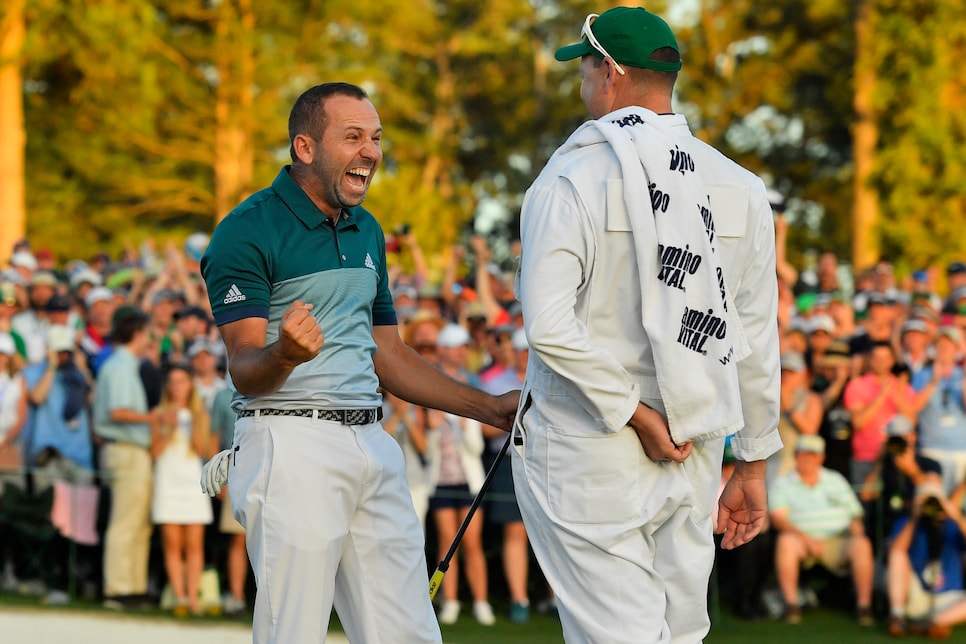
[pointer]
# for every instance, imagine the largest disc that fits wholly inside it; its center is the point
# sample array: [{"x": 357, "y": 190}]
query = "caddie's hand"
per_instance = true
[
  {"x": 299, "y": 334},
  {"x": 214, "y": 473},
  {"x": 655, "y": 436},
  {"x": 743, "y": 506}
]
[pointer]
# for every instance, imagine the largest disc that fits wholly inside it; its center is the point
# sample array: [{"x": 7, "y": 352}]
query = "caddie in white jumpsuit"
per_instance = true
[{"x": 618, "y": 514}]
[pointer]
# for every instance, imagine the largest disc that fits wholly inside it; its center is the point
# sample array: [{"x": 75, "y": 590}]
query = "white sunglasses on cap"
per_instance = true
[{"x": 585, "y": 32}]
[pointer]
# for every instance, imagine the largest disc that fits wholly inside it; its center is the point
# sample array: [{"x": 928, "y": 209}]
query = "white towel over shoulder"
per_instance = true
[{"x": 688, "y": 313}]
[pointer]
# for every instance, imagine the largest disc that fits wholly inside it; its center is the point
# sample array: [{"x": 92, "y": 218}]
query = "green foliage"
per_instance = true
[
  {"x": 121, "y": 99},
  {"x": 769, "y": 83},
  {"x": 922, "y": 169}
]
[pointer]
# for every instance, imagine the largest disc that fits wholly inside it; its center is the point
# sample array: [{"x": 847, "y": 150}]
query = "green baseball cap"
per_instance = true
[{"x": 629, "y": 35}]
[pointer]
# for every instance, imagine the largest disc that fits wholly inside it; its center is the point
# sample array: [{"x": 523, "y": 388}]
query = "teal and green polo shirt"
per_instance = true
[{"x": 277, "y": 247}]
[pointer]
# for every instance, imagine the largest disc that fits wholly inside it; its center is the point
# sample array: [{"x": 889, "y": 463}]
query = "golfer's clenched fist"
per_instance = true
[{"x": 299, "y": 334}]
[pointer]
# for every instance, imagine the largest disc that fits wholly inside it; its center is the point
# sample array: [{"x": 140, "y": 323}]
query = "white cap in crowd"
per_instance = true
[
  {"x": 899, "y": 425},
  {"x": 810, "y": 443},
  {"x": 821, "y": 322},
  {"x": 98, "y": 294},
  {"x": 453, "y": 335},
  {"x": 24, "y": 259},
  {"x": 202, "y": 344},
  {"x": 85, "y": 276},
  {"x": 913, "y": 325},
  {"x": 519, "y": 340},
  {"x": 950, "y": 333}
]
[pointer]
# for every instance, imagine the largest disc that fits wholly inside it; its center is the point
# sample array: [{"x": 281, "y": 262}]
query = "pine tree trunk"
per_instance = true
[
  {"x": 865, "y": 204},
  {"x": 234, "y": 155},
  {"x": 13, "y": 138}
]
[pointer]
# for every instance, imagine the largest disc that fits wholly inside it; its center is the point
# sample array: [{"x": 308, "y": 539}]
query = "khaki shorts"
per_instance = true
[
  {"x": 227, "y": 522},
  {"x": 921, "y": 603},
  {"x": 835, "y": 556}
]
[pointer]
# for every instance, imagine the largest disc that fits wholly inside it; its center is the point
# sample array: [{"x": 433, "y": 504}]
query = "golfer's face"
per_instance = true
[{"x": 351, "y": 150}]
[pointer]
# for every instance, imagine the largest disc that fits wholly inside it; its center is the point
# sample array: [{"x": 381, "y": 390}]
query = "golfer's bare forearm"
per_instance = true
[
  {"x": 259, "y": 371},
  {"x": 426, "y": 386}
]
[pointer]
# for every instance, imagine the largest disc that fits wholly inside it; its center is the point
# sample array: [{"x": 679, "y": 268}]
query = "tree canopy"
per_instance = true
[{"x": 152, "y": 118}]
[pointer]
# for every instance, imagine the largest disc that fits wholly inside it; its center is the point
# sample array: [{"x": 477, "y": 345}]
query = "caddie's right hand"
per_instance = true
[
  {"x": 655, "y": 436},
  {"x": 214, "y": 473},
  {"x": 299, "y": 334}
]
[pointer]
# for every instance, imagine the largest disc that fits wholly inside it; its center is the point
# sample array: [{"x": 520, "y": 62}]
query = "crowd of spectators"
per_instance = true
[
  {"x": 868, "y": 487},
  {"x": 111, "y": 371},
  {"x": 113, "y": 392},
  {"x": 874, "y": 427}
]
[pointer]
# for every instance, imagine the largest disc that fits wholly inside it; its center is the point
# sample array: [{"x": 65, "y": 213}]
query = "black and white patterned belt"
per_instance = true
[{"x": 344, "y": 416}]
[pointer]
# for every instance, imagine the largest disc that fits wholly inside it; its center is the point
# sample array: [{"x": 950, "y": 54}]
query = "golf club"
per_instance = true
[{"x": 437, "y": 579}]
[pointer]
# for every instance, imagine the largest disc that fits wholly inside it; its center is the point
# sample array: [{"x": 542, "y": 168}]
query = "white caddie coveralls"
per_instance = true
[{"x": 625, "y": 542}]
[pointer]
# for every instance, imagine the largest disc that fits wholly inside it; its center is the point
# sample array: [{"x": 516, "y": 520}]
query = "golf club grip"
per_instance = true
[{"x": 435, "y": 582}]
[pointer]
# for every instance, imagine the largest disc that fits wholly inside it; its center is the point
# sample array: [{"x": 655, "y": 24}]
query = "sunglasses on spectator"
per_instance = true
[{"x": 585, "y": 32}]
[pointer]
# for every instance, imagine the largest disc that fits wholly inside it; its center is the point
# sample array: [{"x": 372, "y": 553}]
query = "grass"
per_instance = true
[
  {"x": 541, "y": 629},
  {"x": 823, "y": 625},
  {"x": 818, "y": 625}
]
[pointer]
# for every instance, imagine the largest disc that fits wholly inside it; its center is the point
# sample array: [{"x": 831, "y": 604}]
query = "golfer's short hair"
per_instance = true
[{"x": 308, "y": 114}]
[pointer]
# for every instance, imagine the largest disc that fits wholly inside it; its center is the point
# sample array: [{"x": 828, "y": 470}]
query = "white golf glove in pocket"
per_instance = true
[{"x": 214, "y": 473}]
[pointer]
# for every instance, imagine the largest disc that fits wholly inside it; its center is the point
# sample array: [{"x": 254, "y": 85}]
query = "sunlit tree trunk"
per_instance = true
[
  {"x": 13, "y": 138},
  {"x": 865, "y": 206},
  {"x": 234, "y": 154}
]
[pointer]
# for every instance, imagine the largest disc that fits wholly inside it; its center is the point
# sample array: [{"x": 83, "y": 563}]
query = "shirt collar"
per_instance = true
[{"x": 301, "y": 206}]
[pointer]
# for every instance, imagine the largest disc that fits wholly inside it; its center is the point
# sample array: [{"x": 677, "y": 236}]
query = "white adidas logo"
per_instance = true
[
  {"x": 234, "y": 295},
  {"x": 369, "y": 262}
]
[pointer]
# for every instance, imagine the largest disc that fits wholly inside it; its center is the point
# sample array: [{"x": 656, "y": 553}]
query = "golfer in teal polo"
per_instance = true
[{"x": 297, "y": 280}]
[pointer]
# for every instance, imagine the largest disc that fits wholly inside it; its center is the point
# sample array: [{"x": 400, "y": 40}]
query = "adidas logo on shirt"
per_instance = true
[
  {"x": 234, "y": 295},
  {"x": 369, "y": 262}
]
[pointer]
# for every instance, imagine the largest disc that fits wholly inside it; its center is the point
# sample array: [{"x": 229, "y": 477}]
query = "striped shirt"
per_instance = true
[{"x": 822, "y": 510}]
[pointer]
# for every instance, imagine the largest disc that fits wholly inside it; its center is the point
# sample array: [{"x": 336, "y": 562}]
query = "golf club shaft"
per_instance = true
[{"x": 437, "y": 579}]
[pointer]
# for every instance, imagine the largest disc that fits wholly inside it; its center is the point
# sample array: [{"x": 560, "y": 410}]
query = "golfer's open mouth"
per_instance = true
[{"x": 358, "y": 176}]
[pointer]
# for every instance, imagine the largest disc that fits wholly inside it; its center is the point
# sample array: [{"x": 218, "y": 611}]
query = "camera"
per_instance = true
[
  {"x": 931, "y": 508},
  {"x": 401, "y": 229},
  {"x": 896, "y": 445}
]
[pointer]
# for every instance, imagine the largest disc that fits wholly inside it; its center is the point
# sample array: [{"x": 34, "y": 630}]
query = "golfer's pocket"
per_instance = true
[{"x": 594, "y": 478}]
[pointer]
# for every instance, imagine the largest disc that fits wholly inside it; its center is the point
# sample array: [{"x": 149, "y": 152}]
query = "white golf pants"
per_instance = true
[
  {"x": 329, "y": 521},
  {"x": 626, "y": 543}
]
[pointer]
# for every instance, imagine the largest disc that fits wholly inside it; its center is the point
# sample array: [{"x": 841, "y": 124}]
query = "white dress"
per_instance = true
[
  {"x": 11, "y": 389},
  {"x": 178, "y": 498}
]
